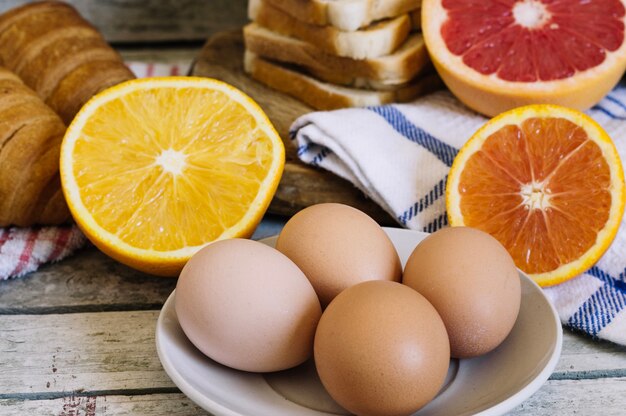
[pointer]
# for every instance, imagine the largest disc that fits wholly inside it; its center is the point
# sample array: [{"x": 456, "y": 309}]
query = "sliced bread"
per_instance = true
[
  {"x": 381, "y": 38},
  {"x": 325, "y": 96},
  {"x": 379, "y": 73},
  {"x": 345, "y": 15}
]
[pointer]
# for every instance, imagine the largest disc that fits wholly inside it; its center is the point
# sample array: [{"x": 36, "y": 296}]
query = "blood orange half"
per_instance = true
[
  {"x": 496, "y": 55},
  {"x": 547, "y": 182}
]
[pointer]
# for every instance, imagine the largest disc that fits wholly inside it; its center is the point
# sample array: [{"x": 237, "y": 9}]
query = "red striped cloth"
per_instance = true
[
  {"x": 23, "y": 250},
  {"x": 158, "y": 69}
]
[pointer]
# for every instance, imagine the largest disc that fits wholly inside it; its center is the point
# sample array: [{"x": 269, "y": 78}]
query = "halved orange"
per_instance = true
[
  {"x": 547, "y": 182},
  {"x": 156, "y": 168},
  {"x": 496, "y": 55}
]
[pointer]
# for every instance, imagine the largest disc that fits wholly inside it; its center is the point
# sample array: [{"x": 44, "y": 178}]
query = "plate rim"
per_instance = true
[
  {"x": 177, "y": 378},
  {"x": 496, "y": 410}
]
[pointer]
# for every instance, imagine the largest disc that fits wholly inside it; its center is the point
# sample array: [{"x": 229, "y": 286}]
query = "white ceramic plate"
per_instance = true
[{"x": 488, "y": 385}]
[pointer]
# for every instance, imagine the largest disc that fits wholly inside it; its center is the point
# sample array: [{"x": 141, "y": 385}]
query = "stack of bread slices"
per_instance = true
[{"x": 339, "y": 53}]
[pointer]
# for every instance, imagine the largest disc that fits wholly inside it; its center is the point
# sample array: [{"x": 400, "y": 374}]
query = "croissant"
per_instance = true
[
  {"x": 30, "y": 141},
  {"x": 58, "y": 54}
]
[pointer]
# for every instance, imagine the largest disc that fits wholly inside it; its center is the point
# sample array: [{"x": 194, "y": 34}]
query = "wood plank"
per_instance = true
[
  {"x": 301, "y": 185},
  {"x": 89, "y": 281},
  {"x": 156, "y": 20},
  {"x": 581, "y": 397},
  {"x": 583, "y": 357},
  {"x": 81, "y": 351},
  {"x": 163, "y": 54},
  {"x": 116, "y": 350},
  {"x": 175, "y": 404},
  {"x": 556, "y": 397}
]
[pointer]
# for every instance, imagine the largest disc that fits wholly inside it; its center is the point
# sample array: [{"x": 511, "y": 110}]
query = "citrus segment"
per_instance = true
[
  {"x": 568, "y": 36},
  {"x": 499, "y": 54},
  {"x": 547, "y": 182},
  {"x": 154, "y": 169}
]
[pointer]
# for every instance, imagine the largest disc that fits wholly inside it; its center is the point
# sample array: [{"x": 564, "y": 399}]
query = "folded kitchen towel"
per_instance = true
[
  {"x": 399, "y": 155},
  {"x": 23, "y": 250}
]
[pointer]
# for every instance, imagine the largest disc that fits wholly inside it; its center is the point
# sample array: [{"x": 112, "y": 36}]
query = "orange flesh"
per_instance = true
[
  {"x": 541, "y": 188},
  {"x": 222, "y": 156}
]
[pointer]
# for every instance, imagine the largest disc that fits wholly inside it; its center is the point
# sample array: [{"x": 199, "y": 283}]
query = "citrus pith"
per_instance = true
[
  {"x": 547, "y": 182},
  {"x": 156, "y": 168}
]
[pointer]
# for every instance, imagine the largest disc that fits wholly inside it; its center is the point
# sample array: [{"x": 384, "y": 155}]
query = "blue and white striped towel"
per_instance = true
[{"x": 399, "y": 155}]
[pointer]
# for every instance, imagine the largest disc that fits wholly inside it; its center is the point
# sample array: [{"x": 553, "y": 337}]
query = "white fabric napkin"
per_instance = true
[{"x": 399, "y": 155}]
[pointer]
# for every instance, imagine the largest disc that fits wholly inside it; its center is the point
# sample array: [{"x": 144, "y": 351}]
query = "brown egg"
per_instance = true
[
  {"x": 247, "y": 306},
  {"x": 337, "y": 246},
  {"x": 471, "y": 280},
  {"x": 381, "y": 349}
]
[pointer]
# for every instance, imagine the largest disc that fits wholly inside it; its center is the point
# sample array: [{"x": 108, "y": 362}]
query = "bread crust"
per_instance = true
[
  {"x": 47, "y": 44},
  {"x": 380, "y": 38},
  {"x": 30, "y": 141},
  {"x": 410, "y": 59},
  {"x": 347, "y": 15},
  {"x": 26, "y": 35},
  {"x": 324, "y": 96},
  {"x": 85, "y": 81},
  {"x": 29, "y": 10}
]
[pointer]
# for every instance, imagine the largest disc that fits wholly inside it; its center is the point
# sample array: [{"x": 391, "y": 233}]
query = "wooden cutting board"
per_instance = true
[{"x": 301, "y": 185}]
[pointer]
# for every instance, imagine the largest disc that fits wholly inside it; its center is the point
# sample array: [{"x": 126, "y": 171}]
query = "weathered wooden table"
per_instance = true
[{"x": 77, "y": 337}]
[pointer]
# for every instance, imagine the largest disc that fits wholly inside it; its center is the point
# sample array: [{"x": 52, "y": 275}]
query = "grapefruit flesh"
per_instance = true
[
  {"x": 532, "y": 40},
  {"x": 518, "y": 52}
]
